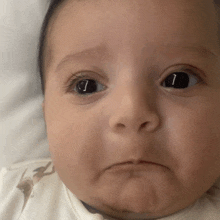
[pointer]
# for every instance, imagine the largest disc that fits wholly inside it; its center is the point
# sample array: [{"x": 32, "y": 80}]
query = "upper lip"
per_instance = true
[{"x": 134, "y": 162}]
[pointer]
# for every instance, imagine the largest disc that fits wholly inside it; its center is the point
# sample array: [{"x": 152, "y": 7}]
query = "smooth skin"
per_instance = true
[{"x": 167, "y": 138}]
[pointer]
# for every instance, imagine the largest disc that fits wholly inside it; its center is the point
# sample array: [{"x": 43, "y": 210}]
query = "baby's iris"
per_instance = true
[
  {"x": 179, "y": 80},
  {"x": 87, "y": 86}
]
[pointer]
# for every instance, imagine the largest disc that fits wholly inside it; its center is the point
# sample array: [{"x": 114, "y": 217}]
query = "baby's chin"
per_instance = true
[
  {"x": 139, "y": 199},
  {"x": 136, "y": 211}
]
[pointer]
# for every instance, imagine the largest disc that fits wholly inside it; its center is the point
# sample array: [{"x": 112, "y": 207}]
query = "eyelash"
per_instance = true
[{"x": 80, "y": 76}]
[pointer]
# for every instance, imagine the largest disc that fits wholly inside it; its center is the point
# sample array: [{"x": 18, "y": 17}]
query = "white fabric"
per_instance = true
[
  {"x": 22, "y": 128},
  {"x": 50, "y": 199}
]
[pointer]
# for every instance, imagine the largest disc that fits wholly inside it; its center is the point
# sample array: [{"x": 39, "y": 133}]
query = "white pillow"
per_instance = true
[{"x": 22, "y": 131}]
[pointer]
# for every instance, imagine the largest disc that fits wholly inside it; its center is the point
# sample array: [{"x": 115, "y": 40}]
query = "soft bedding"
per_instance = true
[{"x": 23, "y": 133}]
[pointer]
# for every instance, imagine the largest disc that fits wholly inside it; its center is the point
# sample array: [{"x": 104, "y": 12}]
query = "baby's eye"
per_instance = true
[
  {"x": 87, "y": 86},
  {"x": 179, "y": 80}
]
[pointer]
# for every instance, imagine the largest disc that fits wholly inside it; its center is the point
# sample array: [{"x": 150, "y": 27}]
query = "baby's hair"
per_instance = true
[{"x": 54, "y": 5}]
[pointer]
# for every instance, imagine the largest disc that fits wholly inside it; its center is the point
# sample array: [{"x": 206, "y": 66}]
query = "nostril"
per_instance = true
[
  {"x": 121, "y": 125},
  {"x": 144, "y": 124}
]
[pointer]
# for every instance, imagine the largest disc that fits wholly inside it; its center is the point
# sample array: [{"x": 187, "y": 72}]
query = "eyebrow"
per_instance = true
[
  {"x": 101, "y": 51},
  {"x": 97, "y": 51},
  {"x": 202, "y": 50}
]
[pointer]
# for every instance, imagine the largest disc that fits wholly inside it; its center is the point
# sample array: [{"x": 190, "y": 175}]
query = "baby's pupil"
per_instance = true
[
  {"x": 179, "y": 80},
  {"x": 86, "y": 86}
]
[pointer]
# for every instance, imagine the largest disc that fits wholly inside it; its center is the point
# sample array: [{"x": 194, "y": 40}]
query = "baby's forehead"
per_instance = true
[{"x": 59, "y": 36}]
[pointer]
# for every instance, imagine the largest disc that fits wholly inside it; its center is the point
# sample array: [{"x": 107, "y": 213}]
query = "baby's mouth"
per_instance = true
[{"x": 139, "y": 165}]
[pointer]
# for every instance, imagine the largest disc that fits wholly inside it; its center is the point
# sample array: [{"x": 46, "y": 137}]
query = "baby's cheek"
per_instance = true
[
  {"x": 75, "y": 146},
  {"x": 195, "y": 147}
]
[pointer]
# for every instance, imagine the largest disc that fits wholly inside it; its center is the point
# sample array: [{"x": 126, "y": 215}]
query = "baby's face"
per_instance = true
[{"x": 130, "y": 137}]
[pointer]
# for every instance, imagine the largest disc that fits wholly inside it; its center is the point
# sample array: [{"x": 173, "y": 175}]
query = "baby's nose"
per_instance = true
[{"x": 134, "y": 109}]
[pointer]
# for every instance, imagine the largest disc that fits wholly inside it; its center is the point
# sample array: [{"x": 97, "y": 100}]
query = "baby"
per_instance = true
[{"x": 132, "y": 110}]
